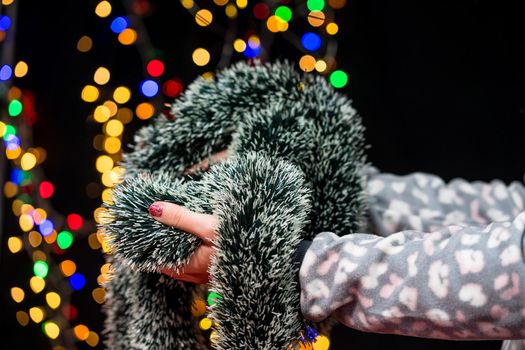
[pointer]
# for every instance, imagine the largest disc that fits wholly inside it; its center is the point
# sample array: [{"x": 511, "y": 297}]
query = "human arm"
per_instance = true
[{"x": 460, "y": 282}]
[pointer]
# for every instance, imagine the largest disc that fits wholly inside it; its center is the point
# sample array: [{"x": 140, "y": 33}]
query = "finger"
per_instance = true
[
  {"x": 205, "y": 163},
  {"x": 197, "y": 279},
  {"x": 219, "y": 156},
  {"x": 198, "y": 264},
  {"x": 200, "y": 225}
]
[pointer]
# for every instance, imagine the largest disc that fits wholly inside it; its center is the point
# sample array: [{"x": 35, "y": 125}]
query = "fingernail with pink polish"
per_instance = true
[{"x": 155, "y": 210}]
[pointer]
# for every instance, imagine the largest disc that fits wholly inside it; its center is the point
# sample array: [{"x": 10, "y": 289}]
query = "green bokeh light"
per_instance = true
[
  {"x": 284, "y": 13},
  {"x": 338, "y": 78},
  {"x": 40, "y": 268},
  {"x": 213, "y": 297},
  {"x": 15, "y": 108},
  {"x": 315, "y": 5},
  {"x": 9, "y": 130},
  {"x": 65, "y": 239}
]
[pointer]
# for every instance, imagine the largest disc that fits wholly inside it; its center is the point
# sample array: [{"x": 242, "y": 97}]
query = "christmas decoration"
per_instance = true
[{"x": 296, "y": 151}]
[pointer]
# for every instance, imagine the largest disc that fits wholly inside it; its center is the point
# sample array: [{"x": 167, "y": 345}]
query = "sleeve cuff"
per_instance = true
[{"x": 300, "y": 252}]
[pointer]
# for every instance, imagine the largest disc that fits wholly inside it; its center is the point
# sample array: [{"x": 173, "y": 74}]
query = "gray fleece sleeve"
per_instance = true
[{"x": 453, "y": 271}]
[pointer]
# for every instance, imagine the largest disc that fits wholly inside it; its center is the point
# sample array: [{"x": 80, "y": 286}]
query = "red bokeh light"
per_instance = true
[
  {"x": 46, "y": 189},
  {"x": 74, "y": 221},
  {"x": 70, "y": 312},
  {"x": 172, "y": 88},
  {"x": 155, "y": 68},
  {"x": 261, "y": 11}
]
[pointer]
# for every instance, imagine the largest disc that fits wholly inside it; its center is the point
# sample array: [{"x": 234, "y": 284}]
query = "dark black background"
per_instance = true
[{"x": 440, "y": 86}]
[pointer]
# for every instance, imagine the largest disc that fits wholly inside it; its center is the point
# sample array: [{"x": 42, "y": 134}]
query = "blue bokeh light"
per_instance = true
[
  {"x": 5, "y": 23},
  {"x": 46, "y": 227},
  {"x": 311, "y": 41},
  {"x": 251, "y": 52},
  {"x": 149, "y": 88},
  {"x": 119, "y": 24},
  {"x": 17, "y": 176},
  {"x": 6, "y": 72},
  {"x": 77, "y": 281}
]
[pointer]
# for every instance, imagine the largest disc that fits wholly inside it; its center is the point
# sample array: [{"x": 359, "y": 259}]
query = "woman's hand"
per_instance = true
[{"x": 200, "y": 225}]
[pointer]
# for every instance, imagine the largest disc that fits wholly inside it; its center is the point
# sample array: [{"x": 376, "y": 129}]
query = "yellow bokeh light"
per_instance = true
[
  {"x": 145, "y": 110},
  {"x": 307, "y": 63},
  {"x": 332, "y": 28},
  {"x": 10, "y": 189},
  {"x": 125, "y": 115},
  {"x": 200, "y": 57},
  {"x": 112, "y": 106},
  {"x": 3, "y": 128},
  {"x": 35, "y": 239},
  {"x": 208, "y": 75},
  {"x": 316, "y": 18},
  {"x": 231, "y": 11},
  {"x": 254, "y": 41},
  {"x": 112, "y": 145},
  {"x": 17, "y": 294},
  {"x": 99, "y": 295},
  {"x": 27, "y": 209},
  {"x": 320, "y": 66},
  {"x": 37, "y": 314},
  {"x": 13, "y": 153},
  {"x": 114, "y": 127},
  {"x": 187, "y": 4},
  {"x": 104, "y": 163},
  {"x": 239, "y": 45},
  {"x": 26, "y": 222},
  {"x": 81, "y": 332},
  {"x": 205, "y": 324},
  {"x": 39, "y": 215},
  {"x": 121, "y": 94},
  {"x": 128, "y": 36},
  {"x": 28, "y": 161},
  {"x": 101, "y": 75},
  {"x": 108, "y": 179},
  {"x": 242, "y": 4},
  {"x": 93, "y": 241},
  {"x": 37, "y": 284},
  {"x": 7, "y": 2},
  {"x": 276, "y": 24},
  {"x": 322, "y": 343},
  {"x": 102, "y": 114},
  {"x": 203, "y": 17},
  {"x": 89, "y": 93},
  {"x": 17, "y": 206},
  {"x": 15, "y": 244},
  {"x": 107, "y": 196},
  {"x": 84, "y": 44},
  {"x": 103, "y": 9},
  {"x": 68, "y": 267},
  {"x": 22, "y": 318},
  {"x": 53, "y": 300},
  {"x": 106, "y": 268},
  {"x": 51, "y": 329},
  {"x": 92, "y": 339},
  {"x": 220, "y": 2},
  {"x": 21, "y": 69}
]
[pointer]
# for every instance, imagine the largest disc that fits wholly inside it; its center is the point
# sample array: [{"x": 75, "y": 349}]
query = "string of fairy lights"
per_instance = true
[{"x": 45, "y": 234}]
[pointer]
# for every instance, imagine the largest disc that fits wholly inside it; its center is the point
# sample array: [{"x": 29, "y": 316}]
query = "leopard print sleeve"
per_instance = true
[{"x": 452, "y": 270}]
